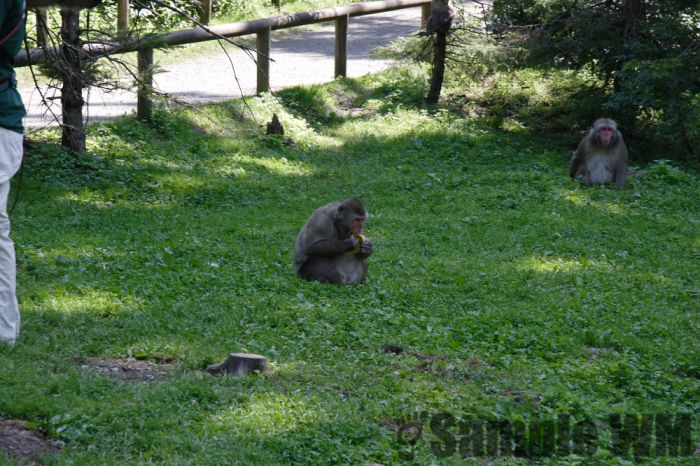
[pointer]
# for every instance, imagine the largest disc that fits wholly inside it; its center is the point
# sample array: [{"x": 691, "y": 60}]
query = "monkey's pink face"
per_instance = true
[
  {"x": 358, "y": 224},
  {"x": 606, "y": 135}
]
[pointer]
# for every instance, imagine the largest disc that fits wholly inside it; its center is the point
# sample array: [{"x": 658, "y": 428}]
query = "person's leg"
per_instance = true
[{"x": 9, "y": 310}]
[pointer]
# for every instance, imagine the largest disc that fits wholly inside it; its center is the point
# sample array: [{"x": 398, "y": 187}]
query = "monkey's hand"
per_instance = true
[
  {"x": 354, "y": 242},
  {"x": 363, "y": 248},
  {"x": 366, "y": 249}
]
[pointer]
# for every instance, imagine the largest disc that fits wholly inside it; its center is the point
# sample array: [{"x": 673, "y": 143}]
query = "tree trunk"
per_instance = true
[
  {"x": 123, "y": 15},
  {"x": 204, "y": 7},
  {"x": 633, "y": 16},
  {"x": 439, "y": 53},
  {"x": 685, "y": 137},
  {"x": 144, "y": 104},
  {"x": 71, "y": 63},
  {"x": 442, "y": 13}
]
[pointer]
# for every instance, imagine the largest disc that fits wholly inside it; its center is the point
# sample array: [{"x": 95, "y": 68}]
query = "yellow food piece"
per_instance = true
[{"x": 360, "y": 239}]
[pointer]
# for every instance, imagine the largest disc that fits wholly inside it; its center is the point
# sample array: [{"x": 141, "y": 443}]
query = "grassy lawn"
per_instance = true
[{"x": 508, "y": 291}]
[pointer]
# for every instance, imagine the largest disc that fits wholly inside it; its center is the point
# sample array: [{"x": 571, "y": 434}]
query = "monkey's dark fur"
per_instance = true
[
  {"x": 599, "y": 161},
  {"x": 325, "y": 245},
  {"x": 441, "y": 15}
]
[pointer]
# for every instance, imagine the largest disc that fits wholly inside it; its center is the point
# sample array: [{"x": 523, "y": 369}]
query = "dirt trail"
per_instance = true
[{"x": 301, "y": 58}]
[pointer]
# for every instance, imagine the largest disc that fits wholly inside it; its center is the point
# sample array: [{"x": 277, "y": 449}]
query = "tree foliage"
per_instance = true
[
  {"x": 646, "y": 53},
  {"x": 166, "y": 15}
]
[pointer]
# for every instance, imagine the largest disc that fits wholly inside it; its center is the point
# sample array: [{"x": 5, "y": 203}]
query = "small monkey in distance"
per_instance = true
[{"x": 601, "y": 156}]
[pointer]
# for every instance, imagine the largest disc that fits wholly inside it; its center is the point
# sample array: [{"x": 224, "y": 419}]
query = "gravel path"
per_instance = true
[{"x": 299, "y": 58}]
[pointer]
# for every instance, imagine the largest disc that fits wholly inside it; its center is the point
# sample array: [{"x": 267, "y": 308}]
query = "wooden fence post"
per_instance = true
[
  {"x": 144, "y": 104},
  {"x": 425, "y": 14},
  {"x": 341, "y": 46},
  {"x": 204, "y": 11},
  {"x": 42, "y": 26},
  {"x": 123, "y": 15},
  {"x": 263, "y": 60}
]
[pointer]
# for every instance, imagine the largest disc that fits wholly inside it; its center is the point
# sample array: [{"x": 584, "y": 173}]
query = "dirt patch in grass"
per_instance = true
[
  {"x": 440, "y": 366},
  {"x": 133, "y": 370},
  {"x": 22, "y": 443},
  {"x": 426, "y": 362},
  {"x": 396, "y": 349},
  {"x": 347, "y": 108}
]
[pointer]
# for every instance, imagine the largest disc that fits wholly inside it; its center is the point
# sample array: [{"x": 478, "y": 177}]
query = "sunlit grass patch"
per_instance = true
[
  {"x": 87, "y": 300},
  {"x": 271, "y": 415},
  {"x": 585, "y": 197},
  {"x": 281, "y": 166},
  {"x": 558, "y": 264}
]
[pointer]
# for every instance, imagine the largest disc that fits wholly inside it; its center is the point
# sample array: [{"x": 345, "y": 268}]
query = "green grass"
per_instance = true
[{"x": 173, "y": 242}]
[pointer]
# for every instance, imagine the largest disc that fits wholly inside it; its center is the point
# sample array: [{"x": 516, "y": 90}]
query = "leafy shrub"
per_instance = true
[
  {"x": 537, "y": 100},
  {"x": 663, "y": 171}
]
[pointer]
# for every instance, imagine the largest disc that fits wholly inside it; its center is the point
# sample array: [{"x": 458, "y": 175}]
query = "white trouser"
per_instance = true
[{"x": 10, "y": 156}]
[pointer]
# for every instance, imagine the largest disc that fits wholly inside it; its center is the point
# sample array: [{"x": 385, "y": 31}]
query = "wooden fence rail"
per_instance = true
[{"x": 261, "y": 27}]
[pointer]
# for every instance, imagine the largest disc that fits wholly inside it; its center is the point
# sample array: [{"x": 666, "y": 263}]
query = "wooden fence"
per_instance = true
[{"x": 262, "y": 28}]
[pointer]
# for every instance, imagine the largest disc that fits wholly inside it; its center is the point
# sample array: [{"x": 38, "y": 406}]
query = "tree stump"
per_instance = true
[{"x": 240, "y": 364}]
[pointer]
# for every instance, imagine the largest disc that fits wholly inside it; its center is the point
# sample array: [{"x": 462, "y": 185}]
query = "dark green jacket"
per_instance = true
[{"x": 11, "y": 37}]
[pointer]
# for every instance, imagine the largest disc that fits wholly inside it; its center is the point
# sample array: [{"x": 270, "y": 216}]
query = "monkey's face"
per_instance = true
[
  {"x": 605, "y": 133},
  {"x": 350, "y": 218},
  {"x": 358, "y": 224}
]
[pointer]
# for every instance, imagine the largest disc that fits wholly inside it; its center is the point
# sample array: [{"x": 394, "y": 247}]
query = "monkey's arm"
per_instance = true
[
  {"x": 576, "y": 162},
  {"x": 331, "y": 247},
  {"x": 322, "y": 240},
  {"x": 366, "y": 249}
]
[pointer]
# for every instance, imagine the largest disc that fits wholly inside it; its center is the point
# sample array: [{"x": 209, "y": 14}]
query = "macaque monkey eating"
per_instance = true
[
  {"x": 601, "y": 156},
  {"x": 330, "y": 247}
]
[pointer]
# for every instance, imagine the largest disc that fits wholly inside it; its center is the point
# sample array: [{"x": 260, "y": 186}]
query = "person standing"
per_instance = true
[{"x": 12, "y": 18}]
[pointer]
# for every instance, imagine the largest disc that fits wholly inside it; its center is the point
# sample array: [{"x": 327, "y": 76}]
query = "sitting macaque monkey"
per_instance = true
[
  {"x": 601, "y": 156},
  {"x": 330, "y": 246}
]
